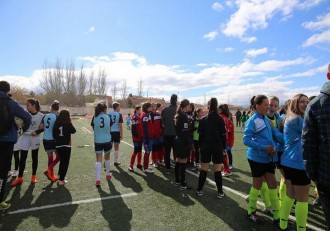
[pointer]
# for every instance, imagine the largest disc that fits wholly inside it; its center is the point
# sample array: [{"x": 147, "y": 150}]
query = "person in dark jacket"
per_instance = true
[
  {"x": 8, "y": 139},
  {"x": 169, "y": 133},
  {"x": 212, "y": 136},
  {"x": 316, "y": 145}
]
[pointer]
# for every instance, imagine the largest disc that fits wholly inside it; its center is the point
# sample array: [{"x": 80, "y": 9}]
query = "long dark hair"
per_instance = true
[
  {"x": 100, "y": 107},
  {"x": 257, "y": 100},
  {"x": 213, "y": 105},
  {"x": 63, "y": 117},
  {"x": 34, "y": 102},
  {"x": 224, "y": 110},
  {"x": 183, "y": 104},
  {"x": 145, "y": 106},
  {"x": 55, "y": 105}
]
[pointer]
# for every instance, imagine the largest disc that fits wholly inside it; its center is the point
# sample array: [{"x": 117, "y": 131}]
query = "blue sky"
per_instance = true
[{"x": 197, "y": 49}]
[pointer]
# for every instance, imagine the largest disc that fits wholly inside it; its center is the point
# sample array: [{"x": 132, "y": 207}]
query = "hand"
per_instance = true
[
  {"x": 33, "y": 133},
  {"x": 225, "y": 152},
  {"x": 270, "y": 150}
]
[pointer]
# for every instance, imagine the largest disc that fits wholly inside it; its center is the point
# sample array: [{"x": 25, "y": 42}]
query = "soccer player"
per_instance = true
[
  {"x": 147, "y": 136},
  {"x": 297, "y": 181},
  {"x": 261, "y": 154},
  {"x": 116, "y": 130},
  {"x": 102, "y": 140},
  {"x": 157, "y": 131},
  {"x": 137, "y": 136},
  {"x": 62, "y": 131},
  {"x": 30, "y": 140},
  {"x": 49, "y": 141},
  {"x": 198, "y": 114},
  {"x": 212, "y": 134},
  {"x": 128, "y": 121}
]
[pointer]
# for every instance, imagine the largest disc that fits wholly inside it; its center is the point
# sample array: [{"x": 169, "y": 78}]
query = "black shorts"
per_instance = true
[
  {"x": 181, "y": 148},
  {"x": 212, "y": 152},
  {"x": 49, "y": 145},
  {"x": 115, "y": 137},
  {"x": 278, "y": 163},
  {"x": 101, "y": 148},
  {"x": 296, "y": 176},
  {"x": 259, "y": 169}
]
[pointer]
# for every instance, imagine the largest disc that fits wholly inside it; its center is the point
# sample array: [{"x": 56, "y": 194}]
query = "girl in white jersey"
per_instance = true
[{"x": 30, "y": 140}]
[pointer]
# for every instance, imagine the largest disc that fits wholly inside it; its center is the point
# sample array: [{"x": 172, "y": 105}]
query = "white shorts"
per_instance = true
[
  {"x": 17, "y": 146},
  {"x": 29, "y": 142}
]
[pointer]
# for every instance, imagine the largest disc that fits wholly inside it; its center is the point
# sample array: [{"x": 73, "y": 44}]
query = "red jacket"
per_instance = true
[
  {"x": 230, "y": 130},
  {"x": 147, "y": 126},
  {"x": 137, "y": 129},
  {"x": 156, "y": 125}
]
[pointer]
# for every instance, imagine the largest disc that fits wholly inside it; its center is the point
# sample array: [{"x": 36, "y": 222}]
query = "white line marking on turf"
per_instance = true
[
  {"x": 243, "y": 195},
  {"x": 86, "y": 130},
  {"x": 72, "y": 203}
]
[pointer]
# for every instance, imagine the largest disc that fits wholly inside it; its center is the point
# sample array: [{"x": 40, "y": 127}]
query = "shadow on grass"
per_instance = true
[
  {"x": 115, "y": 211},
  {"x": 127, "y": 180}
]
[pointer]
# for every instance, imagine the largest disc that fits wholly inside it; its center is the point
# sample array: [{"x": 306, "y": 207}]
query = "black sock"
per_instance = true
[
  {"x": 218, "y": 181},
  {"x": 16, "y": 157},
  {"x": 177, "y": 171},
  {"x": 183, "y": 174},
  {"x": 34, "y": 161},
  {"x": 22, "y": 162},
  {"x": 201, "y": 179}
]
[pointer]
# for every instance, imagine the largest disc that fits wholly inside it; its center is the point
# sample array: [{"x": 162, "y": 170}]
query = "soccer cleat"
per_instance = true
[
  {"x": 116, "y": 163},
  {"x": 108, "y": 177},
  {"x": 131, "y": 169},
  {"x": 199, "y": 193},
  {"x": 177, "y": 183},
  {"x": 139, "y": 166},
  {"x": 198, "y": 165},
  {"x": 48, "y": 174},
  {"x": 225, "y": 174},
  {"x": 54, "y": 178},
  {"x": 15, "y": 173},
  {"x": 247, "y": 198},
  {"x": 98, "y": 183},
  {"x": 4, "y": 205},
  {"x": 17, "y": 181},
  {"x": 220, "y": 195},
  {"x": 155, "y": 165},
  {"x": 61, "y": 182},
  {"x": 183, "y": 187},
  {"x": 230, "y": 167},
  {"x": 254, "y": 218},
  {"x": 9, "y": 174},
  {"x": 33, "y": 179},
  {"x": 148, "y": 170}
]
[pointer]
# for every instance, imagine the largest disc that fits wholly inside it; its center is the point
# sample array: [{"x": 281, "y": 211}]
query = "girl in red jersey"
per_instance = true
[
  {"x": 147, "y": 136},
  {"x": 137, "y": 136},
  {"x": 157, "y": 129}
]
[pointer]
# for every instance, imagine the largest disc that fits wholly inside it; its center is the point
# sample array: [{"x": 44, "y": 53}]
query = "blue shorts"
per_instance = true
[
  {"x": 115, "y": 137},
  {"x": 49, "y": 145},
  {"x": 101, "y": 148}
]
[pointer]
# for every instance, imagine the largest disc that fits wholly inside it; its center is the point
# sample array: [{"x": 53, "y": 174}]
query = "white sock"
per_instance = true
[
  {"x": 98, "y": 170},
  {"x": 116, "y": 154},
  {"x": 107, "y": 167}
]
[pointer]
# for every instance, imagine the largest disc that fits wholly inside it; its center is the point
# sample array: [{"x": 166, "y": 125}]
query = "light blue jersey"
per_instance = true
[
  {"x": 101, "y": 126},
  {"x": 116, "y": 119},
  {"x": 49, "y": 121}
]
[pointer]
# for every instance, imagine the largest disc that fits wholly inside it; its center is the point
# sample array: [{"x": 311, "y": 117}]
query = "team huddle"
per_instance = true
[{"x": 195, "y": 137}]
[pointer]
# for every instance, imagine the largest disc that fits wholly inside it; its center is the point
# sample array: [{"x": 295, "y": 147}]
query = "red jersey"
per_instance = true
[
  {"x": 137, "y": 129},
  {"x": 156, "y": 125},
  {"x": 147, "y": 126},
  {"x": 230, "y": 130}
]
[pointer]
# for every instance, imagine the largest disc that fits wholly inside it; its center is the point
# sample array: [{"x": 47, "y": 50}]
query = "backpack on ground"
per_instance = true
[{"x": 6, "y": 118}]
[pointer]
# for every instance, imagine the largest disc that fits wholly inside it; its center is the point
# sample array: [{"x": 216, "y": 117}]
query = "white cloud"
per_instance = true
[
  {"x": 256, "y": 52},
  {"x": 323, "y": 21},
  {"x": 229, "y": 3},
  {"x": 229, "y": 49},
  {"x": 91, "y": 29},
  {"x": 216, "y": 6},
  {"x": 310, "y": 72},
  {"x": 211, "y": 35},
  {"x": 318, "y": 38},
  {"x": 256, "y": 14},
  {"x": 321, "y": 24}
]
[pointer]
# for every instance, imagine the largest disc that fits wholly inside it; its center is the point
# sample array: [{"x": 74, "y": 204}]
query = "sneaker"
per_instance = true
[
  {"x": 131, "y": 169},
  {"x": 98, "y": 183},
  {"x": 116, "y": 163},
  {"x": 48, "y": 174},
  {"x": 162, "y": 163},
  {"x": 230, "y": 167},
  {"x": 139, "y": 166},
  {"x": 17, "y": 181},
  {"x": 4, "y": 205},
  {"x": 199, "y": 193},
  {"x": 61, "y": 182},
  {"x": 269, "y": 211},
  {"x": 225, "y": 174},
  {"x": 15, "y": 173},
  {"x": 183, "y": 187},
  {"x": 33, "y": 179},
  {"x": 316, "y": 201},
  {"x": 254, "y": 218},
  {"x": 108, "y": 177},
  {"x": 177, "y": 183},
  {"x": 148, "y": 170},
  {"x": 155, "y": 165},
  {"x": 220, "y": 195}
]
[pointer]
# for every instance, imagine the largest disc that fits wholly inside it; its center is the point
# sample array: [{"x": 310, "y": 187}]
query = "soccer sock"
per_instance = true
[
  {"x": 264, "y": 193},
  {"x": 16, "y": 157},
  {"x": 275, "y": 202},
  {"x": 201, "y": 179},
  {"x": 107, "y": 167},
  {"x": 116, "y": 154},
  {"x": 50, "y": 161},
  {"x": 183, "y": 174},
  {"x": 139, "y": 157},
  {"x": 98, "y": 170},
  {"x": 52, "y": 165},
  {"x": 133, "y": 159},
  {"x": 287, "y": 203},
  {"x": 282, "y": 190},
  {"x": 153, "y": 156},
  {"x": 218, "y": 181},
  {"x": 301, "y": 212},
  {"x": 34, "y": 161},
  {"x": 253, "y": 200},
  {"x": 177, "y": 171},
  {"x": 146, "y": 160},
  {"x": 22, "y": 163}
]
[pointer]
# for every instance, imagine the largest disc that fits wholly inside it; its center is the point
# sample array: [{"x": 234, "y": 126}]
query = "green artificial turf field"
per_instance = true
[{"x": 132, "y": 201}]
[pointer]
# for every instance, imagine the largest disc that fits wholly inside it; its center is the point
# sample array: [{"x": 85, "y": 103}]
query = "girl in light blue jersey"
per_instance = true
[
  {"x": 102, "y": 140},
  {"x": 116, "y": 130}
]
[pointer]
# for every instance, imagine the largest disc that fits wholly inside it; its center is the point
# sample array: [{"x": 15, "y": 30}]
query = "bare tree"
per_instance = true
[
  {"x": 140, "y": 87},
  {"x": 124, "y": 89},
  {"x": 82, "y": 81},
  {"x": 114, "y": 91},
  {"x": 91, "y": 83},
  {"x": 100, "y": 84},
  {"x": 52, "y": 79},
  {"x": 69, "y": 81}
]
